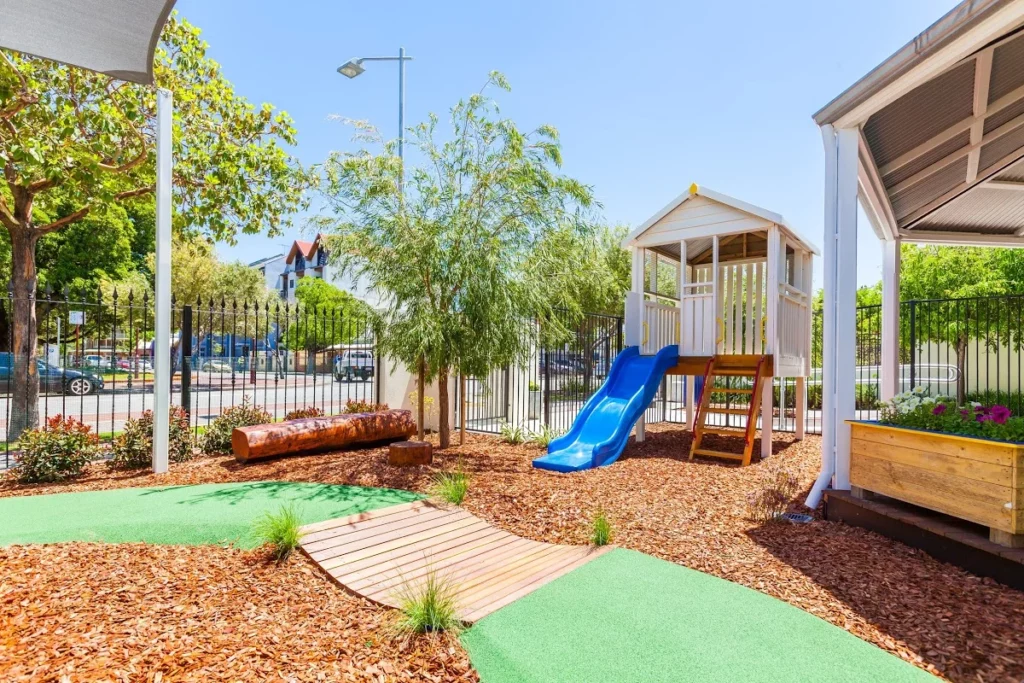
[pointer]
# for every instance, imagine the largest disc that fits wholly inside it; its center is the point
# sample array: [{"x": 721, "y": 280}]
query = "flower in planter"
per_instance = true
[
  {"x": 1000, "y": 414},
  {"x": 939, "y": 409}
]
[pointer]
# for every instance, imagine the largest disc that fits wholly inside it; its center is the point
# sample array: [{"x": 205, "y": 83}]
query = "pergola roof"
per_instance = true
[
  {"x": 942, "y": 130},
  {"x": 114, "y": 37}
]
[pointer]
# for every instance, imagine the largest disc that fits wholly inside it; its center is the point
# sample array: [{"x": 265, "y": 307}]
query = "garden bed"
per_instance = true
[
  {"x": 975, "y": 479},
  {"x": 934, "y": 615}
]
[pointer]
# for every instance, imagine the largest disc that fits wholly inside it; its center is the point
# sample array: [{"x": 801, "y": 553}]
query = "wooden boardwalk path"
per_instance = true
[{"x": 383, "y": 553}]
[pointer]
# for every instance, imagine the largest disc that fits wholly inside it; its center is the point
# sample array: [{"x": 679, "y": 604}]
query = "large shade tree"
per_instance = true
[
  {"x": 449, "y": 256},
  {"x": 72, "y": 141}
]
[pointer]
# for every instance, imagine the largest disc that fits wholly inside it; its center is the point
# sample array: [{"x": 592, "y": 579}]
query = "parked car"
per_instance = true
[
  {"x": 354, "y": 365},
  {"x": 215, "y": 365},
  {"x": 53, "y": 379},
  {"x": 95, "y": 362}
]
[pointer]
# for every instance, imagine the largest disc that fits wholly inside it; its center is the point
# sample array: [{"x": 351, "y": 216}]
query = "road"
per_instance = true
[{"x": 211, "y": 393}]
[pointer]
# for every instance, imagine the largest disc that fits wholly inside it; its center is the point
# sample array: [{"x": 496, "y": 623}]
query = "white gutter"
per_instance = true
[{"x": 831, "y": 272}]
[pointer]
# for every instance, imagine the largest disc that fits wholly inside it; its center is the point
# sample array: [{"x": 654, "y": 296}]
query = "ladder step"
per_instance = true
[
  {"x": 718, "y": 454},
  {"x": 732, "y": 390},
  {"x": 736, "y": 431},
  {"x": 728, "y": 411}
]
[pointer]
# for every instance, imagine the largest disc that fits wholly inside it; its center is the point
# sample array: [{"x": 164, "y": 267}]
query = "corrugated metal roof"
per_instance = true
[
  {"x": 1014, "y": 173},
  {"x": 921, "y": 114},
  {"x": 927, "y": 159},
  {"x": 932, "y": 187},
  {"x": 1001, "y": 147},
  {"x": 953, "y": 24},
  {"x": 982, "y": 210},
  {"x": 1007, "y": 69}
]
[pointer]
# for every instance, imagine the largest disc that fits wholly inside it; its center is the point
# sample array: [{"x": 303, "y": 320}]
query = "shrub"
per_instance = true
[
  {"x": 534, "y": 386},
  {"x": 776, "y": 488},
  {"x": 917, "y": 409},
  {"x": 544, "y": 435},
  {"x": 354, "y": 406},
  {"x": 217, "y": 437},
  {"x": 600, "y": 529},
  {"x": 429, "y": 607},
  {"x": 133, "y": 447},
  {"x": 301, "y": 413},
  {"x": 280, "y": 530},
  {"x": 1012, "y": 400},
  {"x": 513, "y": 434},
  {"x": 58, "y": 451},
  {"x": 451, "y": 486}
]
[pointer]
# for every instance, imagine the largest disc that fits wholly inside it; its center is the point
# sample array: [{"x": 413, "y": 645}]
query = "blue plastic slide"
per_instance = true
[{"x": 599, "y": 434}]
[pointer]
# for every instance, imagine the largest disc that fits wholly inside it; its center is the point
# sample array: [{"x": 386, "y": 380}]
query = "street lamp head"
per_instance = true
[{"x": 351, "y": 68}]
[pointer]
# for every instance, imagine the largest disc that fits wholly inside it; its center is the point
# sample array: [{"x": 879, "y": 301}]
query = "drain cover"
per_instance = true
[{"x": 798, "y": 518}]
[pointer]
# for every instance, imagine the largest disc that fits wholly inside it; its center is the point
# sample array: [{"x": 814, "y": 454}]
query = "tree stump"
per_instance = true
[{"x": 404, "y": 453}]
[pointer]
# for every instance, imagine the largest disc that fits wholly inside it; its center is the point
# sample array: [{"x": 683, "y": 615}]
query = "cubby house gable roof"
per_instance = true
[{"x": 739, "y": 217}]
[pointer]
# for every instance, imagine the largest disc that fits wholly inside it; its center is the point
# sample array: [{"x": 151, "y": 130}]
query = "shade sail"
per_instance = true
[{"x": 114, "y": 37}]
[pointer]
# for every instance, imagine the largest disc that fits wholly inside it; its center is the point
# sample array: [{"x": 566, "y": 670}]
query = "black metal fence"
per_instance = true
[
  {"x": 95, "y": 361},
  {"x": 968, "y": 348}
]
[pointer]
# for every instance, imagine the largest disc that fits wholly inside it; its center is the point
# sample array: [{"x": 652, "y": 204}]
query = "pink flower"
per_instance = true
[
  {"x": 939, "y": 409},
  {"x": 980, "y": 409},
  {"x": 1000, "y": 414}
]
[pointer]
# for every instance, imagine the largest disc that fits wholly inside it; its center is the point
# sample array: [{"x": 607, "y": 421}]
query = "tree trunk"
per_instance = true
[
  {"x": 444, "y": 428},
  {"x": 25, "y": 379},
  {"x": 961, "y": 367},
  {"x": 5, "y": 329},
  {"x": 421, "y": 390}
]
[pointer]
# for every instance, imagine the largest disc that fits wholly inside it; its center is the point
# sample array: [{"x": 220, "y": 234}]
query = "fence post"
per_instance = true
[
  {"x": 913, "y": 343},
  {"x": 186, "y": 359},
  {"x": 547, "y": 386}
]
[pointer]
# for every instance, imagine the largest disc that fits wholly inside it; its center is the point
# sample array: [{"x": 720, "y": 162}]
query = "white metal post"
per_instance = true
[
  {"x": 845, "y": 301},
  {"x": 776, "y": 265},
  {"x": 828, "y": 365},
  {"x": 635, "y": 303},
  {"x": 890, "y": 370},
  {"x": 162, "y": 345}
]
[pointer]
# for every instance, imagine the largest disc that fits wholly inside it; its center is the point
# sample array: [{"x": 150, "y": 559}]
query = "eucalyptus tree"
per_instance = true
[
  {"x": 73, "y": 140},
  {"x": 449, "y": 256}
]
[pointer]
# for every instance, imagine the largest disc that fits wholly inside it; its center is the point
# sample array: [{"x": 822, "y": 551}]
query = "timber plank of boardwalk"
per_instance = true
[{"x": 385, "y": 553}]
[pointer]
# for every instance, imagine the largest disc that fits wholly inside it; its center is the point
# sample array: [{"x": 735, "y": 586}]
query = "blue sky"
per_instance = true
[{"x": 648, "y": 96}]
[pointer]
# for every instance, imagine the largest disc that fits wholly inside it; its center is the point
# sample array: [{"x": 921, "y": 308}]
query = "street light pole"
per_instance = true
[
  {"x": 401, "y": 112},
  {"x": 354, "y": 67}
]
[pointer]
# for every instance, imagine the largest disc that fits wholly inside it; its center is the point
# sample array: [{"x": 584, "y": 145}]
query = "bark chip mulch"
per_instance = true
[
  {"x": 934, "y": 615},
  {"x": 136, "y": 612}
]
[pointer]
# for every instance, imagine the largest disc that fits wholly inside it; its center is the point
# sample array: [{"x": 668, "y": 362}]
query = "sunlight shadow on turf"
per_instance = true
[{"x": 352, "y": 498}]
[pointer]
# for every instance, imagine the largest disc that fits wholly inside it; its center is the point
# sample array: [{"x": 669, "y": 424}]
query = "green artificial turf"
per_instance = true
[
  {"x": 627, "y": 616},
  {"x": 188, "y": 515}
]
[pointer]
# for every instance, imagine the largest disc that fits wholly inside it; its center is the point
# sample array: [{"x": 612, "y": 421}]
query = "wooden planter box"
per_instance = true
[{"x": 974, "y": 479}]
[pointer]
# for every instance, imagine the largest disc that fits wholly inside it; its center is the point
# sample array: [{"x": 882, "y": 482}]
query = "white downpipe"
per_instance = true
[
  {"x": 828, "y": 462},
  {"x": 162, "y": 345}
]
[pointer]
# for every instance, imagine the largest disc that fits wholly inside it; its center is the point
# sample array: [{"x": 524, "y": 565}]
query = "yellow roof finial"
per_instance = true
[{"x": 694, "y": 189}]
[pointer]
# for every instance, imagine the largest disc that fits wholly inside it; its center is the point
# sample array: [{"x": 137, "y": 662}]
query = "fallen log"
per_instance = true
[
  {"x": 315, "y": 434},
  {"x": 402, "y": 453}
]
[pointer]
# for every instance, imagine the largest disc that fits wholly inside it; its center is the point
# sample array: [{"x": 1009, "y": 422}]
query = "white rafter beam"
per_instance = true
[
  {"x": 982, "y": 78},
  {"x": 1011, "y": 185},
  {"x": 872, "y": 189}
]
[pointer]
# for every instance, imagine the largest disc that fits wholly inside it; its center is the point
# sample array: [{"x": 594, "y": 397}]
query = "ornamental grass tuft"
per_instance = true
[{"x": 279, "y": 530}]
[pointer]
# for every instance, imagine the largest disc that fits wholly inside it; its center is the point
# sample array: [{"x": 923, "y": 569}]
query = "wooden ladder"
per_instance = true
[{"x": 751, "y": 366}]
